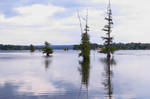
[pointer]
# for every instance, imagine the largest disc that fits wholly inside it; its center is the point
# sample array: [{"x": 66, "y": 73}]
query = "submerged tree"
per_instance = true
[
  {"x": 108, "y": 29},
  {"x": 85, "y": 43},
  {"x": 47, "y": 49},
  {"x": 32, "y": 48}
]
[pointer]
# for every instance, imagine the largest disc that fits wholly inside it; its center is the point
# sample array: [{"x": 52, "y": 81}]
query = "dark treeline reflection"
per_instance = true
[
  {"x": 84, "y": 70},
  {"x": 108, "y": 74},
  {"x": 47, "y": 62}
]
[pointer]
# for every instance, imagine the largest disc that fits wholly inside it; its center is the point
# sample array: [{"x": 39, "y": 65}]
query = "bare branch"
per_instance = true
[
  {"x": 87, "y": 17},
  {"x": 80, "y": 21}
]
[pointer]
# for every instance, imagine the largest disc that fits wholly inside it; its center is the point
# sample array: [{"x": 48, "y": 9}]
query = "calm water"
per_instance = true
[{"x": 65, "y": 76}]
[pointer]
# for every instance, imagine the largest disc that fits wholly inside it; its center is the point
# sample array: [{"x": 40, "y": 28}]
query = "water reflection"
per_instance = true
[
  {"x": 108, "y": 73},
  {"x": 23, "y": 76},
  {"x": 47, "y": 62},
  {"x": 84, "y": 70}
]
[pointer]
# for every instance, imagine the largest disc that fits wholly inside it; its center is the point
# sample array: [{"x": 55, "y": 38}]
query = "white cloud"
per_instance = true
[
  {"x": 131, "y": 19},
  {"x": 32, "y": 15},
  {"x": 36, "y": 23}
]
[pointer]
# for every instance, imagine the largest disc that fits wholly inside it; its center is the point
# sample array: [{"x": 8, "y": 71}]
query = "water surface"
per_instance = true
[{"x": 25, "y": 75}]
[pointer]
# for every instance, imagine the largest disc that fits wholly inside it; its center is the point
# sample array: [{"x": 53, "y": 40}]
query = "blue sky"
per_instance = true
[{"x": 34, "y": 21}]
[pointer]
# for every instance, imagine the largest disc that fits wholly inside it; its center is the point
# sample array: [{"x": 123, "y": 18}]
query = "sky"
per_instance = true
[{"x": 24, "y": 22}]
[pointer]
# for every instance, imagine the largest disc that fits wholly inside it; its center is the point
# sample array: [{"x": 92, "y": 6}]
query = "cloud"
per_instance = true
[
  {"x": 33, "y": 15},
  {"x": 37, "y": 23},
  {"x": 131, "y": 20},
  {"x": 34, "y": 21},
  {"x": 57, "y": 22}
]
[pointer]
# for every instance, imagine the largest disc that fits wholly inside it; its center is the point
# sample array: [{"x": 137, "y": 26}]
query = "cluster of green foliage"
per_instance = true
[
  {"x": 106, "y": 50},
  {"x": 47, "y": 49},
  {"x": 85, "y": 44},
  {"x": 32, "y": 48}
]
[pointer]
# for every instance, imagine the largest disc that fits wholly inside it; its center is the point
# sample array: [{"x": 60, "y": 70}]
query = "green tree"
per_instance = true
[
  {"x": 85, "y": 43},
  {"x": 85, "y": 46},
  {"x": 32, "y": 48},
  {"x": 108, "y": 48},
  {"x": 47, "y": 49}
]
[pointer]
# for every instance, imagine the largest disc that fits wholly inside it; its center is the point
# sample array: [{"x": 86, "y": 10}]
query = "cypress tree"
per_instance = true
[
  {"x": 32, "y": 48},
  {"x": 85, "y": 43},
  {"x": 108, "y": 29},
  {"x": 47, "y": 49}
]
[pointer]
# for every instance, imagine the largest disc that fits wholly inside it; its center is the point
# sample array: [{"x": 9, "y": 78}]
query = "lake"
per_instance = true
[{"x": 25, "y": 75}]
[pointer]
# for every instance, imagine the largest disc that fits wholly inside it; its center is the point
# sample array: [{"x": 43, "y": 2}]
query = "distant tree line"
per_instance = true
[
  {"x": 131, "y": 46},
  {"x": 120, "y": 46},
  {"x": 13, "y": 47},
  {"x": 93, "y": 46},
  {"x": 19, "y": 47}
]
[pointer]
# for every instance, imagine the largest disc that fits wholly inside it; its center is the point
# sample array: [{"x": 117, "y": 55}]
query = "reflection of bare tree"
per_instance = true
[
  {"x": 47, "y": 62},
  {"x": 84, "y": 70},
  {"x": 108, "y": 73}
]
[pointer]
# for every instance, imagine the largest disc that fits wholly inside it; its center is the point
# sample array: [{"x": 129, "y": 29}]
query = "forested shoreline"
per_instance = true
[
  {"x": 118, "y": 46},
  {"x": 121, "y": 46}
]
